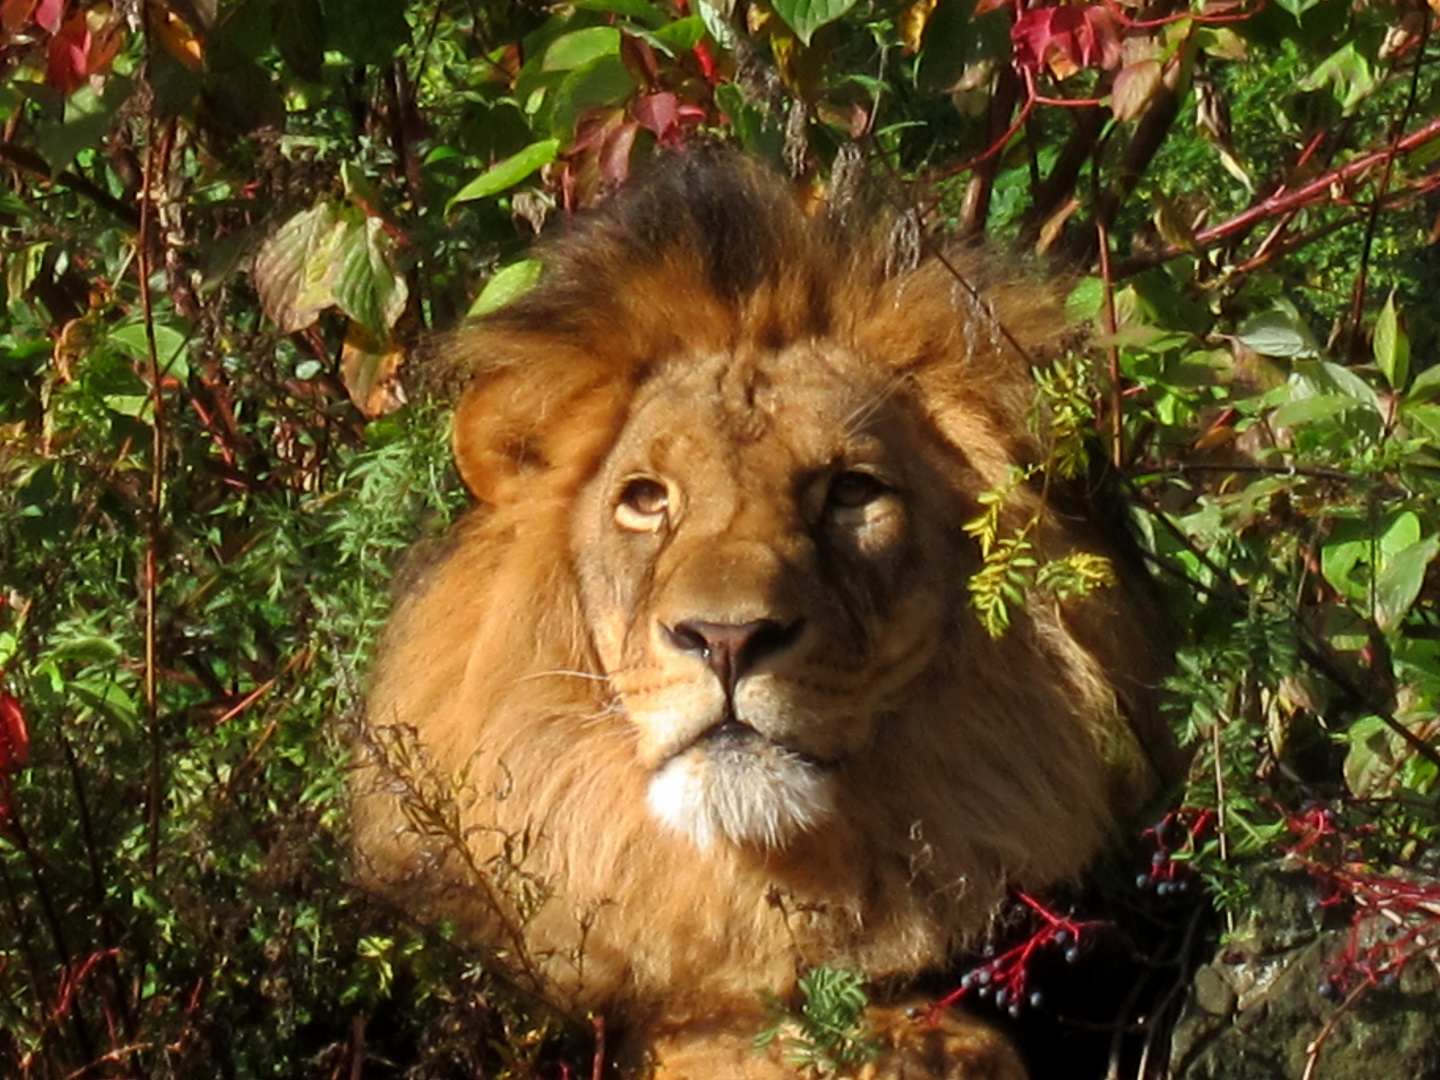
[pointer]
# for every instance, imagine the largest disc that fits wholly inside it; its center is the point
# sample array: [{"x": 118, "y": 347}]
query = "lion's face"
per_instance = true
[{"x": 767, "y": 566}]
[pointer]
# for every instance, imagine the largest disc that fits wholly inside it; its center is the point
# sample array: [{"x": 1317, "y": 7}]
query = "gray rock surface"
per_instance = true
[{"x": 1255, "y": 1012}]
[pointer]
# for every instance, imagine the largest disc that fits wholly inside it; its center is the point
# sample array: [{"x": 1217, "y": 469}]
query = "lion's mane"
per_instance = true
[{"x": 504, "y": 786}]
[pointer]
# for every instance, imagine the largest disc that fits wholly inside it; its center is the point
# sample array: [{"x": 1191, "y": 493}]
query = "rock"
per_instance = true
[{"x": 1256, "y": 1011}]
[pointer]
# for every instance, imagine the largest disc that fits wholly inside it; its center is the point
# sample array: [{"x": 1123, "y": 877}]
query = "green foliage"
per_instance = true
[
  {"x": 828, "y": 1034},
  {"x": 1013, "y": 571}
]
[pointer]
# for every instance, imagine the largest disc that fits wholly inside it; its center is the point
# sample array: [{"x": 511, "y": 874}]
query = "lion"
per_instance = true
[{"x": 694, "y": 700}]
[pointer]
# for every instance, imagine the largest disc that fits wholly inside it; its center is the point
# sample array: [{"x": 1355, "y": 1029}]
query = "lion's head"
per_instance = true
[{"x": 701, "y": 671}]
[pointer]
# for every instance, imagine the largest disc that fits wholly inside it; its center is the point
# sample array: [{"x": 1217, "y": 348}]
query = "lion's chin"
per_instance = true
[{"x": 753, "y": 796}]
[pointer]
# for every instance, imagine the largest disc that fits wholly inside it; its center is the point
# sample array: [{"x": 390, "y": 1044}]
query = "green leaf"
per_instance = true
[
  {"x": 1086, "y": 299},
  {"x": 807, "y": 16},
  {"x": 506, "y": 174},
  {"x": 1404, "y": 532},
  {"x": 1401, "y": 578},
  {"x": 720, "y": 31},
  {"x": 682, "y": 35},
  {"x": 1310, "y": 409},
  {"x": 506, "y": 284},
  {"x": 368, "y": 288},
  {"x": 1426, "y": 385},
  {"x": 1134, "y": 86},
  {"x": 1392, "y": 346},
  {"x": 169, "y": 347},
  {"x": 581, "y": 47},
  {"x": 642, "y": 11},
  {"x": 1279, "y": 332},
  {"x": 1297, "y": 7},
  {"x": 292, "y": 268},
  {"x": 1338, "y": 561},
  {"x": 1347, "y": 72},
  {"x": 605, "y": 82}
]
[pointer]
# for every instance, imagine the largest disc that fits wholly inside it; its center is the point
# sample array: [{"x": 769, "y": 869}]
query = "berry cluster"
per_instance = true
[
  {"x": 1394, "y": 916},
  {"x": 1176, "y": 838},
  {"x": 1003, "y": 978}
]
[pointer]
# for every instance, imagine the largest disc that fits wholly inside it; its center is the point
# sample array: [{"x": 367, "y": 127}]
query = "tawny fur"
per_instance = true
[{"x": 705, "y": 327}]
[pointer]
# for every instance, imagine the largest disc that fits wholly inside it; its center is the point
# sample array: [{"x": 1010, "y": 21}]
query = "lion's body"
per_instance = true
[{"x": 695, "y": 701}]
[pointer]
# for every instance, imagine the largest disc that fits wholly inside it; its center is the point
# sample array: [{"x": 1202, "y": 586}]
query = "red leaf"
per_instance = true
[
  {"x": 657, "y": 113},
  {"x": 48, "y": 14},
  {"x": 615, "y": 154},
  {"x": 1065, "y": 39},
  {"x": 14, "y": 745},
  {"x": 69, "y": 52}
]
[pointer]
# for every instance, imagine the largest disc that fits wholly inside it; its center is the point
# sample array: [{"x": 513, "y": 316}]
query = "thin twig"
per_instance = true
[
  {"x": 1287, "y": 200},
  {"x": 1312, "y": 1052},
  {"x": 1372, "y": 223},
  {"x": 1117, "y": 400},
  {"x": 143, "y": 242}
]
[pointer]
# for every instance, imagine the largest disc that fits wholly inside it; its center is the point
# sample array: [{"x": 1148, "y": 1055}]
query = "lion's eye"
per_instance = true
[
  {"x": 852, "y": 490},
  {"x": 643, "y": 504}
]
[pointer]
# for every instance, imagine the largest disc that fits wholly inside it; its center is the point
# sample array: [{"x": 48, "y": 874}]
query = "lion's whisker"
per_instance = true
[{"x": 564, "y": 673}]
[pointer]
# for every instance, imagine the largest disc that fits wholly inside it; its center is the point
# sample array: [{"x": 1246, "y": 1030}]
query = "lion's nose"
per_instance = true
[{"x": 732, "y": 649}]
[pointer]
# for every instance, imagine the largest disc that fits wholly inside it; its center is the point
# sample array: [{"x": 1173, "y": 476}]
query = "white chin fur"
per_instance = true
[{"x": 755, "y": 798}]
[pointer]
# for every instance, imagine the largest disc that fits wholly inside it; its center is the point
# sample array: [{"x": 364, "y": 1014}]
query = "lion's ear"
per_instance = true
[{"x": 534, "y": 431}]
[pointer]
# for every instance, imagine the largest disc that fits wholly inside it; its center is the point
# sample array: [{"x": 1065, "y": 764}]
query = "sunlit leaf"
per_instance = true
[
  {"x": 581, "y": 47},
  {"x": 1400, "y": 580},
  {"x": 712, "y": 15},
  {"x": 368, "y": 288},
  {"x": 292, "y": 268},
  {"x": 1348, "y": 75},
  {"x": 807, "y": 16},
  {"x": 370, "y": 368},
  {"x": 1310, "y": 409},
  {"x": 1297, "y": 8},
  {"x": 505, "y": 285},
  {"x": 682, "y": 35},
  {"x": 1426, "y": 385},
  {"x": 169, "y": 347},
  {"x": 642, "y": 11},
  {"x": 1135, "y": 84},
  {"x": 1392, "y": 346},
  {"x": 506, "y": 174},
  {"x": 1279, "y": 332}
]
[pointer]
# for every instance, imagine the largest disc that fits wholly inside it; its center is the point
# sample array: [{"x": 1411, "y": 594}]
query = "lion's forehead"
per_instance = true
[{"x": 804, "y": 405}]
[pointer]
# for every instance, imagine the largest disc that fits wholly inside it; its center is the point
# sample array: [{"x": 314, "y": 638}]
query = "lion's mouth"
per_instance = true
[{"x": 734, "y": 736}]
